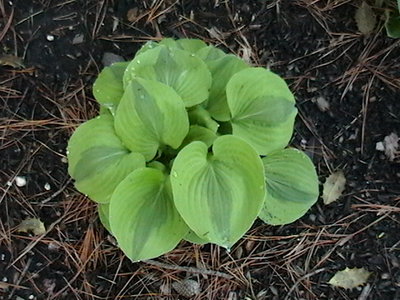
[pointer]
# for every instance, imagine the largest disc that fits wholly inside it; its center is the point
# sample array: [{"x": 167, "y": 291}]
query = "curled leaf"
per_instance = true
[{"x": 32, "y": 225}]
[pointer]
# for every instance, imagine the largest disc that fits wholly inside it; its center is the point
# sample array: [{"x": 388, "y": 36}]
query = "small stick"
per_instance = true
[
  {"x": 301, "y": 279},
  {"x": 188, "y": 269}
]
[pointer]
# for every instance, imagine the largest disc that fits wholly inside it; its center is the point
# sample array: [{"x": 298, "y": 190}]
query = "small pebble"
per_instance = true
[
  {"x": 9, "y": 183},
  {"x": 2, "y": 257},
  {"x": 47, "y": 187},
  {"x": 78, "y": 39},
  {"x": 64, "y": 160},
  {"x": 312, "y": 217},
  {"x": 379, "y": 146},
  {"x": 50, "y": 37},
  {"x": 53, "y": 246},
  {"x": 303, "y": 143},
  {"x": 31, "y": 297},
  {"x": 5, "y": 279},
  {"x": 20, "y": 181}
]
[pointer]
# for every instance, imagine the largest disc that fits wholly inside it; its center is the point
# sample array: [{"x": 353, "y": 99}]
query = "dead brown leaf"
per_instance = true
[
  {"x": 11, "y": 60},
  {"x": 365, "y": 18}
]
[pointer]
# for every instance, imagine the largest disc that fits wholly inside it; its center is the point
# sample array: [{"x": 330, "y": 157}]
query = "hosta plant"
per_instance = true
[{"x": 190, "y": 144}]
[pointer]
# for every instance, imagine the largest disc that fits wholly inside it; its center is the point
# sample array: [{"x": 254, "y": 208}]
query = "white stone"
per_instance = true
[
  {"x": 20, "y": 181},
  {"x": 50, "y": 37},
  {"x": 379, "y": 146}
]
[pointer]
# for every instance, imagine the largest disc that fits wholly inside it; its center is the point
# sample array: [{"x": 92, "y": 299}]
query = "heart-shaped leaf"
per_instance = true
[
  {"x": 198, "y": 133},
  {"x": 200, "y": 116},
  {"x": 150, "y": 114},
  {"x": 143, "y": 217},
  {"x": 184, "y": 72},
  {"x": 147, "y": 46},
  {"x": 262, "y": 109},
  {"x": 222, "y": 70},
  {"x": 189, "y": 45},
  {"x": 210, "y": 54},
  {"x": 97, "y": 160},
  {"x": 193, "y": 238},
  {"x": 108, "y": 87},
  {"x": 218, "y": 194},
  {"x": 103, "y": 210},
  {"x": 292, "y": 186}
]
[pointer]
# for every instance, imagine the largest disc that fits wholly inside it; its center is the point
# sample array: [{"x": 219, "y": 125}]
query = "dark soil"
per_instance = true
[{"x": 315, "y": 45}]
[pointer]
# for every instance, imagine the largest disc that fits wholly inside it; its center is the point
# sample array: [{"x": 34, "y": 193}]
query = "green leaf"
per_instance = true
[
  {"x": 200, "y": 116},
  {"x": 218, "y": 194},
  {"x": 147, "y": 46},
  {"x": 193, "y": 238},
  {"x": 97, "y": 160},
  {"x": 158, "y": 166},
  {"x": 150, "y": 114},
  {"x": 198, "y": 133},
  {"x": 210, "y": 54},
  {"x": 191, "y": 45},
  {"x": 108, "y": 87},
  {"x": 392, "y": 24},
  {"x": 292, "y": 186},
  {"x": 143, "y": 217},
  {"x": 262, "y": 109},
  {"x": 184, "y": 72},
  {"x": 222, "y": 70},
  {"x": 103, "y": 210}
]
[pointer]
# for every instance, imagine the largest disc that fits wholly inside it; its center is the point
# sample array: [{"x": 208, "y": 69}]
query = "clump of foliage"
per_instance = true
[{"x": 190, "y": 144}]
